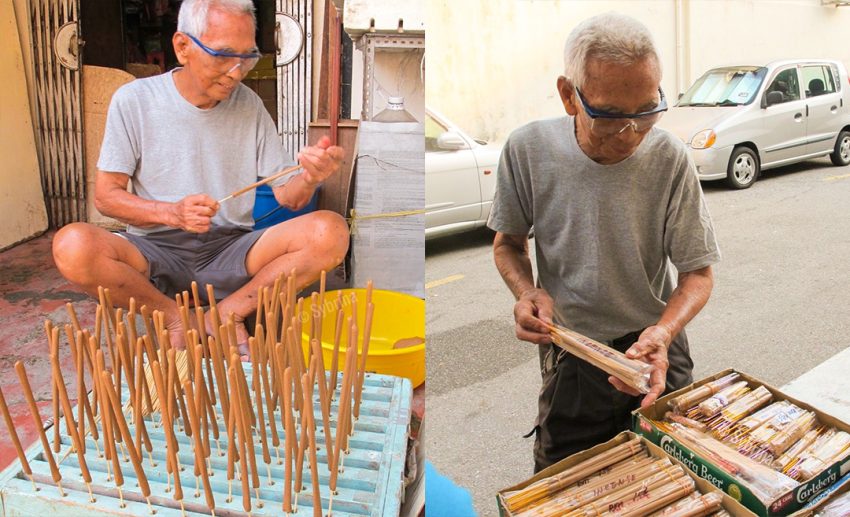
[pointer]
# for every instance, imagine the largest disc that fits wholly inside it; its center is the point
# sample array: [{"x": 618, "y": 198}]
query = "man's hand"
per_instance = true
[
  {"x": 533, "y": 314},
  {"x": 193, "y": 213},
  {"x": 320, "y": 161},
  {"x": 651, "y": 348}
]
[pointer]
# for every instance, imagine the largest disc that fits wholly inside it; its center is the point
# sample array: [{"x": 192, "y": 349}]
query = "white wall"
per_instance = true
[{"x": 492, "y": 64}]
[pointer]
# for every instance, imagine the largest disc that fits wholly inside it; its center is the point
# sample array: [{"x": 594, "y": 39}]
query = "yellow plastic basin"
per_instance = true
[{"x": 397, "y": 317}]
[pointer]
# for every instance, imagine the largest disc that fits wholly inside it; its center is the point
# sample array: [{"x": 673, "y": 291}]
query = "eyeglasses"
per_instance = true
[
  {"x": 604, "y": 123},
  {"x": 225, "y": 60}
]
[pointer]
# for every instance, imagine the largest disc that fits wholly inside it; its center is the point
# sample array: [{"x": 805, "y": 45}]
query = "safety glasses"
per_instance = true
[
  {"x": 604, "y": 123},
  {"x": 226, "y": 62}
]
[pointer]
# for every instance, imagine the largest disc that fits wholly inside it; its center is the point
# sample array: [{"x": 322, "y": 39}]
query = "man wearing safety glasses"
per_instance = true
[
  {"x": 181, "y": 141},
  {"x": 613, "y": 201}
]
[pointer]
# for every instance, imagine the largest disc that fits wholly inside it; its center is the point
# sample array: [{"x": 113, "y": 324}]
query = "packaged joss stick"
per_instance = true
[
  {"x": 790, "y": 457},
  {"x": 674, "y": 417},
  {"x": 548, "y": 487},
  {"x": 712, "y": 405},
  {"x": 818, "y": 458},
  {"x": 633, "y": 373},
  {"x": 764, "y": 482},
  {"x": 687, "y": 400},
  {"x": 695, "y": 505},
  {"x": 728, "y": 416},
  {"x": 780, "y": 432},
  {"x": 750, "y": 423},
  {"x": 840, "y": 507}
]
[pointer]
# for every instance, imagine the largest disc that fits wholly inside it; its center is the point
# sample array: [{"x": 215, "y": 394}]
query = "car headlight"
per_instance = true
[{"x": 704, "y": 139}]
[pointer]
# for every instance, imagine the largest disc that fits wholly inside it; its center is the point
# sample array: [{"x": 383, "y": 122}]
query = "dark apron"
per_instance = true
[{"x": 578, "y": 408}]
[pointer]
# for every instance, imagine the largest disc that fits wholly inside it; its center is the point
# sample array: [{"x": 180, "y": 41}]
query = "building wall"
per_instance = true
[{"x": 492, "y": 66}]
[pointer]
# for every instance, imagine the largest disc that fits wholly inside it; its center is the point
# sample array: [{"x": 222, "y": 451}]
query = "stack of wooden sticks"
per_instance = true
[{"x": 140, "y": 381}]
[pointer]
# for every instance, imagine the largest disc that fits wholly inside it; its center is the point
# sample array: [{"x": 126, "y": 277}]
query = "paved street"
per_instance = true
[{"x": 779, "y": 308}]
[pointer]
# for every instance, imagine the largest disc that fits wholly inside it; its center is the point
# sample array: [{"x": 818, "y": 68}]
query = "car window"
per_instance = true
[
  {"x": 837, "y": 77},
  {"x": 729, "y": 86},
  {"x": 787, "y": 84},
  {"x": 818, "y": 80},
  {"x": 433, "y": 130}
]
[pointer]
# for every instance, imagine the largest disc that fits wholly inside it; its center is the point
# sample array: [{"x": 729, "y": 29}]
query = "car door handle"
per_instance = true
[
  {"x": 833, "y": 109},
  {"x": 798, "y": 117},
  {"x": 487, "y": 172}
]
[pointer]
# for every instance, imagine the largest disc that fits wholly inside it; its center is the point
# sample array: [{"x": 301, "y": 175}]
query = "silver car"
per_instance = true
[
  {"x": 460, "y": 178},
  {"x": 741, "y": 120}
]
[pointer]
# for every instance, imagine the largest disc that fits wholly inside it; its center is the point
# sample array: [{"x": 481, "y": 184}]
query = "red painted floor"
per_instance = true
[{"x": 32, "y": 290}]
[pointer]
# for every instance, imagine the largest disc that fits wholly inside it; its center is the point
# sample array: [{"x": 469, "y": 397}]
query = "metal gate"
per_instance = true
[
  {"x": 59, "y": 120},
  {"x": 294, "y": 73}
]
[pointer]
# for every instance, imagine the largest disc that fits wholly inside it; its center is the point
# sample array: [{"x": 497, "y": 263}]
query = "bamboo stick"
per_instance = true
[
  {"x": 281, "y": 174},
  {"x": 289, "y": 438},
  {"x": 57, "y": 442},
  {"x": 245, "y": 414},
  {"x": 324, "y": 400},
  {"x": 13, "y": 433},
  {"x": 172, "y": 463},
  {"x": 239, "y": 423},
  {"x": 307, "y": 389},
  {"x": 199, "y": 452},
  {"x": 258, "y": 396},
  {"x": 340, "y": 316},
  {"x": 25, "y": 384},
  {"x": 364, "y": 356}
]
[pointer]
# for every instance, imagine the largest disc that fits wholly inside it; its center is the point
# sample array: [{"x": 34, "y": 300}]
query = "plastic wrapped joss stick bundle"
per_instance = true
[
  {"x": 840, "y": 507},
  {"x": 687, "y": 400},
  {"x": 752, "y": 401},
  {"x": 823, "y": 454},
  {"x": 693, "y": 506},
  {"x": 712, "y": 405},
  {"x": 633, "y": 373}
]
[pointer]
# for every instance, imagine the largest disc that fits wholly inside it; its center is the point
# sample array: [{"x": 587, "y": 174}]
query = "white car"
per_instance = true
[
  {"x": 460, "y": 178},
  {"x": 741, "y": 120}
]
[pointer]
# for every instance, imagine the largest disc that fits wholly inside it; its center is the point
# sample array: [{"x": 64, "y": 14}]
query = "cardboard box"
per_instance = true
[
  {"x": 729, "y": 504},
  {"x": 786, "y": 504}
]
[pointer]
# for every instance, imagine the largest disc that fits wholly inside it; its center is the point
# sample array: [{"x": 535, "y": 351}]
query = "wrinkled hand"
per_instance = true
[
  {"x": 651, "y": 348},
  {"x": 193, "y": 213},
  {"x": 320, "y": 161},
  {"x": 532, "y": 313}
]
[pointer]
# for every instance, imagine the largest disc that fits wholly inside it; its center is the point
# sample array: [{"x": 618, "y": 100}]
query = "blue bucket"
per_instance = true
[{"x": 267, "y": 212}]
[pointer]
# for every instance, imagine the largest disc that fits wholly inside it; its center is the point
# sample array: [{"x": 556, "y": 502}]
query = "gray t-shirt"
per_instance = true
[
  {"x": 605, "y": 235},
  {"x": 172, "y": 149}
]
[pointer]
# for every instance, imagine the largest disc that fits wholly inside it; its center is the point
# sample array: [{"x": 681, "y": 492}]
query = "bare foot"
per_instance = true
[{"x": 241, "y": 334}]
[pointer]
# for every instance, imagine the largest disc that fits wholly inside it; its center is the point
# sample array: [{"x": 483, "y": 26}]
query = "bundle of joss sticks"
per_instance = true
[
  {"x": 838, "y": 507},
  {"x": 140, "y": 381},
  {"x": 632, "y": 372},
  {"x": 744, "y": 430},
  {"x": 624, "y": 480}
]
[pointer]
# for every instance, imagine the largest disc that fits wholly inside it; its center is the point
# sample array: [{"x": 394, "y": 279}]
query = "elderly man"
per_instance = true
[
  {"x": 613, "y": 201},
  {"x": 183, "y": 140}
]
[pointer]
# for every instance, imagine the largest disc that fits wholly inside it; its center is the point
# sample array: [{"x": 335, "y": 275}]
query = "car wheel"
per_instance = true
[
  {"x": 743, "y": 168},
  {"x": 841, "y": 155}
]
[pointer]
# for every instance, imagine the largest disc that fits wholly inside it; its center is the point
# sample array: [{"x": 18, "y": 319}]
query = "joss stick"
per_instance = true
[
  {"x": 342, "y": 411},
  {"x": 217, "y": 357},
  {"x": 25, "y": 384},
  {"x": 267, "y": 361},
  {"x": 302, "y": 444},
  {"x": 131, "y": 325},
  {"x": 172, "y": 464},
  {"x": 13, "y": 433},
  {"x": 314, "y": 301},
  {"x": 323, "y": 396},
  {"x": 364, "y": 355},
  {"x": 352, "y": 344},
  {"x": 182, "y": 300},
  {"x": 142, "y": 394},
  {"x": 289, "y": 432},
  {"x": 178, "y": 391},
  {"x": 307, "y": 388},
  {"x": 69, "y": 414},
  {"x": 102, "y": 401},
  {"x": 241, "y": 388},
  {"x": 126, "y": 362},
  {"x": 78, "y": 353},
  {"x": 201, "y": 401},
  {"x": 246, "y": 399},
  {"x": 298, "y": 359},
  {"x": 231, "y": 453},
  {"x": 199, "y": 453},
  {"x": 340, "y": 316},
  {"x": 107, "y": 418},
  {"x": 57, "y": 441},
  {"x": 239, "y": 422},
  {"x": 322, "y": 285},
  {"x": 297, "y": 326},
  {"x": 258, "y": 395},
  {"x": 125, "y": 432}
]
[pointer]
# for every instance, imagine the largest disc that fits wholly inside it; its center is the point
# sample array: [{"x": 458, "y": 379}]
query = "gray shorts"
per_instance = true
[{"x": 176, "y": 257}]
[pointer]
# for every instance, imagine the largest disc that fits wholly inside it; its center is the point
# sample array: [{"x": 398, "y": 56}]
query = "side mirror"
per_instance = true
[
  {"x": 774, "y": 98},
  {"x": 680, "y": 96},
  {"x": 451, "y": 141}
]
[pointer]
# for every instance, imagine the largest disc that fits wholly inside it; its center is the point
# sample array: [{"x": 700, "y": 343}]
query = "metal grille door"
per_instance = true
[
  {"x": 295, "y": 80},
  {"x": 58, "y": 121}
]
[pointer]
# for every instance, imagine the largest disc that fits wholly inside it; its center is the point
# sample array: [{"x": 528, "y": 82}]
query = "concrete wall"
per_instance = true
[
  {"x": 21, "y": 200},
  {"x": 492, "y": 65}
]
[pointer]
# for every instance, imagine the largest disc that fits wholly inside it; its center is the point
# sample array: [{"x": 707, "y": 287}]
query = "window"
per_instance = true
[
  {"x": 787, "y": 84},
  {"x": 818, "y": 80},
  {"x": 433, "y": 130}
]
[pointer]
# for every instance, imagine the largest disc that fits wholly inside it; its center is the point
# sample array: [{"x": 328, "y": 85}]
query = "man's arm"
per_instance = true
[
  {"x": 533, "y": 310},
  {"x": 192, "y": 213},
  {"x": 320, "y": 162},
  {"x": 689, "y": 297}
]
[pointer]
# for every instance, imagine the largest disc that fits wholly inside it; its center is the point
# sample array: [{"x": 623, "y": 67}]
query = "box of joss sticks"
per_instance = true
[
  {"x": 625, "y": 476},
  {"x": 832, "y": 502},
  {"x": 766, "y": 449}
]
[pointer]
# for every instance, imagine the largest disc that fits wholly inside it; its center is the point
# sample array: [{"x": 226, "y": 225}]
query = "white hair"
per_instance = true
[
  {"x": 610, "y": 37},
  {"x": 193, "y": 13}
]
